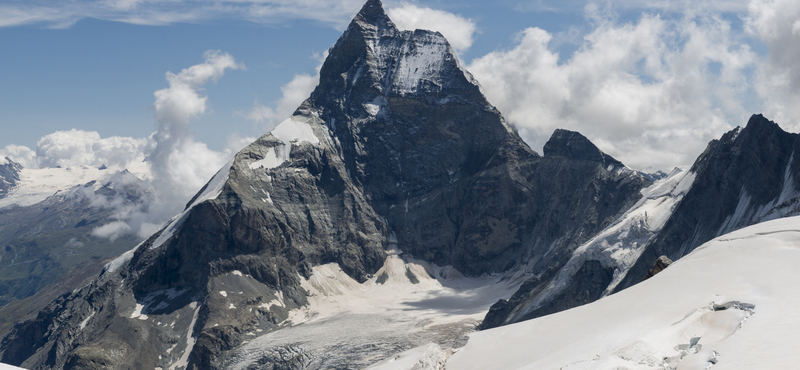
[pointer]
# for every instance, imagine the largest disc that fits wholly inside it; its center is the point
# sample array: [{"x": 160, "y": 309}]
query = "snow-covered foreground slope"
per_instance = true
[
  {"x": 407, "y": 303},
  {"x": 730, "y": 304}
]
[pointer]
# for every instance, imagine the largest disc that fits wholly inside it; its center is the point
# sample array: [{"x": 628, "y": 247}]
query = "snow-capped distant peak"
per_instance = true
[{"x": 36, "y": 185}]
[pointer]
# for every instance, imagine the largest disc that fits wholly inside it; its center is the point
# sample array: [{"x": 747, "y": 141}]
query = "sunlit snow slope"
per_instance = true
[{"x": 730, "y": 304}]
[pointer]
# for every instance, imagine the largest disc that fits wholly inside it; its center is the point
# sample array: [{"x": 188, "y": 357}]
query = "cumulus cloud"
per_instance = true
[
  {"x": 180, "y": 165},
  {"x": 777, "y": 24},
  {"x": 294, "y": 93},
  {"x": 20, "y": 154},
  {"x": 652, "y": 93},
  {"x": 456, "y": 29},
  {"x": 112, "y": 230},
  {"x": 78, "y": 147}
]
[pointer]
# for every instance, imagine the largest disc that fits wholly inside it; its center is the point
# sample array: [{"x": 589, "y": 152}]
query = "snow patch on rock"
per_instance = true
[
  {"x": 183, "y": 361},
  {"x": 289, "y": 132}
]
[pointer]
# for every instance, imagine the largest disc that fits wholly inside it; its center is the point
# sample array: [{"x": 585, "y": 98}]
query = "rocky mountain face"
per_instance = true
[
  {"x": 746, "y": 177},
  {"x": 395, "y": 150}
]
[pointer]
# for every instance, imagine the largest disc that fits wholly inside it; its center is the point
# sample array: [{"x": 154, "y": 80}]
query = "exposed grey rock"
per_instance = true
[
  {"x": 570, "y": 144},
  {"x": 661, "y": 263}
]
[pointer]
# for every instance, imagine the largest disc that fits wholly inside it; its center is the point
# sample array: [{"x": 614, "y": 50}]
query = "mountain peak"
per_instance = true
[
  {"x": 373, "y": 57},
  {"x": 573, "y": 145},
  {"x": 759, "y": 123},
  {"x": 372, "y": 12}
]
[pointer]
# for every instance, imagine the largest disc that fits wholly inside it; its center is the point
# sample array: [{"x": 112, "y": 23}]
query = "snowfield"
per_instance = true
[
  {"x": 407, "y": 304},
  {"x": 36, "y": 185},
  {"x": 730, "y": 304}
]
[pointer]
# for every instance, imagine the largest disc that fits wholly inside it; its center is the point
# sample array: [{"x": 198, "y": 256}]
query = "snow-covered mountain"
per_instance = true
[{"x": 388, "y": 214}]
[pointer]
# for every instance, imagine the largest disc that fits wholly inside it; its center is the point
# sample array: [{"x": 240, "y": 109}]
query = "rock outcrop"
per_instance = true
[{"x": 661, "y": 263}]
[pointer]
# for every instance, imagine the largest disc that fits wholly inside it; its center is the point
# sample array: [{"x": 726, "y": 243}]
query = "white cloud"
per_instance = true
[
  {"x": 182, "y": 100},
  {"x": 457, "y": 30},
  {"x": 777, "y": 24},
  {"x": 78, "y": 147},
  {"x": 181, "y": 165},
  {"x": 112, "y": 230},
  {"x": 294, "y": 93},
  {"x": 20, "y": 154},
  {"x": 651, "y": 93},
  {"x": 660, "y": 5},
  {"x": 61, "y": 14}
]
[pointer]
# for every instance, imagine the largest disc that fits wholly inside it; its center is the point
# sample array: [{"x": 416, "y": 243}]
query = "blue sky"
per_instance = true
[{"x": 650, "y": 82}]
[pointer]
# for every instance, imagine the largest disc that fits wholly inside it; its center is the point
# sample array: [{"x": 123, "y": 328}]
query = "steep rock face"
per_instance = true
[
  {"x": 748, "y": 176},
  {"x": 416, "y": 135},
  {"x": 396, "y": 148}
]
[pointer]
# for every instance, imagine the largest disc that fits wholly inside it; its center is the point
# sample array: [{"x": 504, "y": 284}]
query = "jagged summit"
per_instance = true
[
  {"x": 573, "y": 145},
  {"x": 372, "y": 13},
  {"x": 372, "y": 54},
  {"x": 758, "y": 122}
]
